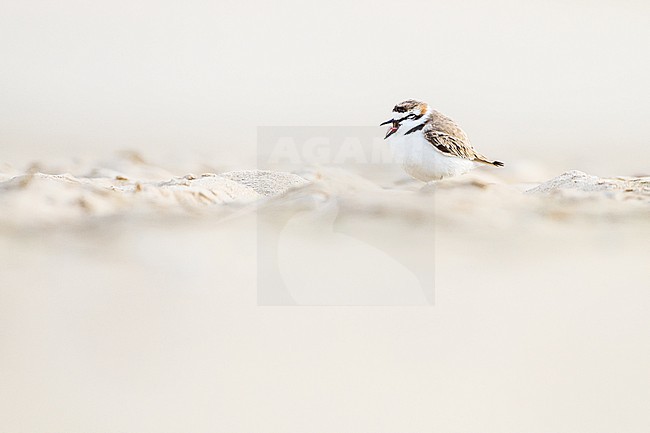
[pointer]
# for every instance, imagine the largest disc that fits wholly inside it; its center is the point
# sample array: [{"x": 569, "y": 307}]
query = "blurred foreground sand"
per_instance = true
[{"x": 128, "y": 302}]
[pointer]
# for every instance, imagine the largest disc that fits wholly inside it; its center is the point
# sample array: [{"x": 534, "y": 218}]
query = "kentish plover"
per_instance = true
[{"x": 429, "y": 145}]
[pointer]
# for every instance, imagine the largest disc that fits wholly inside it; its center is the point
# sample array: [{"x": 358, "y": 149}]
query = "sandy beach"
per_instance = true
[
  {"x": 203, "y": 229},
  {"x": 144, "y": 283}
]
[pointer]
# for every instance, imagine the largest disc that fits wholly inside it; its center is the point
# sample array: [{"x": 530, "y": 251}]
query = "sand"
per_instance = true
[
  {"x": 37, "y": 199},
  {"x": 142, "y": 298}
]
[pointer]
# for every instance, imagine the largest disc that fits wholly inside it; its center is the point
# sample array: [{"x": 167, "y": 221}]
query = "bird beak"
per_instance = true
[{"x": 393, "y": 129}]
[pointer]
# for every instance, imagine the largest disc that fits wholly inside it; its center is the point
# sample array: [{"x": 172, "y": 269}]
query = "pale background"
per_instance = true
[
  {"x": 135, "y": 324},
  {"x": 564, "y": 84}
]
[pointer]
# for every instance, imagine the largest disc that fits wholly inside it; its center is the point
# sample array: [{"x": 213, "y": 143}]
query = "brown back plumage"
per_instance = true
[{"x": 446, "y": 136}]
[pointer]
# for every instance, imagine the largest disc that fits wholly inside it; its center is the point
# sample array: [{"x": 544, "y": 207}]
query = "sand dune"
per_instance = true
[{"x": 483, "y": 198}]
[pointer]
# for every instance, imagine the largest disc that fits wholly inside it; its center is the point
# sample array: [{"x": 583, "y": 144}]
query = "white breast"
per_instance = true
[{"x": 424, "y": 162}]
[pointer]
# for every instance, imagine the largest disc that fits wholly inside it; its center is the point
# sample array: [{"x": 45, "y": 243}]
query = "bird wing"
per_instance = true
[
  {"x": 449, "y": 144},
  {"x": 448, "y": 138}
]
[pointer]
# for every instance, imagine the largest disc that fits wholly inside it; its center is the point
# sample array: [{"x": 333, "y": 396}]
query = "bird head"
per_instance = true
[{"x": 406, "y": 114}]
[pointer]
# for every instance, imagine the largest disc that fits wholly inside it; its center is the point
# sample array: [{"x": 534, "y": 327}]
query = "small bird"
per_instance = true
[{"x": 429, "y": 145}]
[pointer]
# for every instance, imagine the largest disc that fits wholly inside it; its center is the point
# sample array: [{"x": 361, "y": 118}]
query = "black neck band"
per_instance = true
[{"x": 415, "y": 128}]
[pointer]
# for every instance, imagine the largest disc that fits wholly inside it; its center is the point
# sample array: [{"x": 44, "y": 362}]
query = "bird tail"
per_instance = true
[{"x": 487, "y": 161}]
